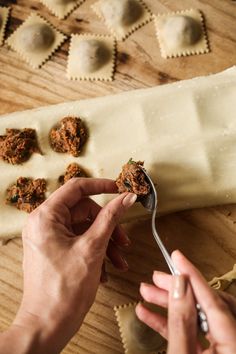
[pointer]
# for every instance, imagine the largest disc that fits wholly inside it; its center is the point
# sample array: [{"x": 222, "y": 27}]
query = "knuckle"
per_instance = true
[
  {"x": 184, "y": 319},
  {"x": 110, "y": 216},
  {"x": 75, "y": 182},
  {"x": 178, "y": 321},
  {"x": 38, "y": 224},
  {"x": 95, "y": 247},
  {"x": 216, "y": 303},
  {"x": 90, "y": 257},
  {"x": 220, "y": 305}
]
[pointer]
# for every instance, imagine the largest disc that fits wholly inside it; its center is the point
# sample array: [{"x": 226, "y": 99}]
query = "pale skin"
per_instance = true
[
  {"x": 65, "y": 242},
  {"x": 179, "y": 294}
]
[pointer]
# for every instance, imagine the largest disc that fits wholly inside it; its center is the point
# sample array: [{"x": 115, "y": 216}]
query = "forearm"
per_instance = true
[
  {"x": 32, "y": 338},
  {"x": 45, "y": 328}
]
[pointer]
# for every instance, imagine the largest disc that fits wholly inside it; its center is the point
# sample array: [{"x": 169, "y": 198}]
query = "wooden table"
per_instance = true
[{"x": 206, "y": 236}]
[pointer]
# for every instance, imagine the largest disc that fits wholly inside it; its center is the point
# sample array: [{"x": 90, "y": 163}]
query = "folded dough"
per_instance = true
[{"x": 185, "y": 132}]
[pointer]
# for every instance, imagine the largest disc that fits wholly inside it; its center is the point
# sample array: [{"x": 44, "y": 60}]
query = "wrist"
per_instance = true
[
  {"x": 47, "y": 326},
  {"x": 20, "y": 340},
  {"x": 38, "y": 334}
]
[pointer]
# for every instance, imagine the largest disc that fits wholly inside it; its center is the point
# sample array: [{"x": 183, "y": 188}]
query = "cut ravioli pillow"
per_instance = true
[
  {"x": 122, "y": 17},
  {"x": 35, "y": 40},
  {"x": 181, "y": 33},
  {"x": 91, "y": 57}
]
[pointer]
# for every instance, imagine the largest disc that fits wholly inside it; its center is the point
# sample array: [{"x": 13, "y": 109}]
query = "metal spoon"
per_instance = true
[{"x": 150, "y": 203}]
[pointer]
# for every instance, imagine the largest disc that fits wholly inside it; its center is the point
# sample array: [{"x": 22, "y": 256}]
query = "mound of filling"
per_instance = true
[
  {"x": 27, "y": 193},
  {"x": 93, "y": 54},
  {"x": 73, "y": 170},
  {"x": 68, "y": 136},
  {"x": 18, "y": 145},
  {"x": 132, "y": 179},
  {"x": 37, "y": 37},
  {"x": 181, "y": 30}
]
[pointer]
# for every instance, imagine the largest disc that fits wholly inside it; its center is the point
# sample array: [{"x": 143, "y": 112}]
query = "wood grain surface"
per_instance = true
[{"x": 206, "y": 236}]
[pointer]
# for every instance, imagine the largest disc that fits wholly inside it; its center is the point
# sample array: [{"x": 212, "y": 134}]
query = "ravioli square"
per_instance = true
[
  {"x": 35, "y": 40},
  {"x": 91, "y": 57},
  {"x": 62, "y": 8},
  {"x": 122, "y": 17},
  {"x": 137, "y": 337},
  {"x": 181, "y": 33},
  {"x": 4, "y": 14}
]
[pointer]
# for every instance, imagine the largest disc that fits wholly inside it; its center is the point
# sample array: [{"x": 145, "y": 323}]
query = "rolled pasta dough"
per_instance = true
[{"x": 185, "y": 132}]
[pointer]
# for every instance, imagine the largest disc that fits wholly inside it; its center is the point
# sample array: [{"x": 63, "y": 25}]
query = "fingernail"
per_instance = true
[
  {"x": 129, "y": 200},
  {"x": 179, "y": 287}
]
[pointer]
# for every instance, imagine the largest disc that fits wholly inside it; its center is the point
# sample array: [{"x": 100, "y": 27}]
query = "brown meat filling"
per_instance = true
[
  {"x": 27, "y": 194},
  {"x": 132, "y": 179},
  {"x": 18, "y": 145},
  {"x": 73, "y": 170},
  {"x": 68, "y": 136}
]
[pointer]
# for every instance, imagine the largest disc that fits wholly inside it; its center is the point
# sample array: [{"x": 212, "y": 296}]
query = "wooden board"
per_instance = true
[{"x": 206, "y": 236}]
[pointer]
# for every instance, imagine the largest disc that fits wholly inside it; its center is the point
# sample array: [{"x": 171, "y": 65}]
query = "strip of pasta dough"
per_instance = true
[{"x": 185, "y": 132}]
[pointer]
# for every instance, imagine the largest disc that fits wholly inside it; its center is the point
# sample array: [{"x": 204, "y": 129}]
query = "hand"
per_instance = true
[
  {"x": 178, "y": 293},
  {"x": 65, "y": 242}
]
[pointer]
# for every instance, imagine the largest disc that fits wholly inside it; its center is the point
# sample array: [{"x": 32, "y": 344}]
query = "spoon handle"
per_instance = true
[{"x": 201, "y": 316}]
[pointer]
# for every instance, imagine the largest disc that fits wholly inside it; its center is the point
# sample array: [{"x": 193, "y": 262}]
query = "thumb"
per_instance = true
[
  {"x": 182, "y": 317},
  {"x": 107, "y": 219}
]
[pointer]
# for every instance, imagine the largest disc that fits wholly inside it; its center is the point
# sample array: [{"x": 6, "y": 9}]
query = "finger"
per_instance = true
[
  {"x": 116, "y": 257},
  {"x": 218, "y": 314},
  {"x": 200, "y": 287},
  {"x": 154, "y": 295},
  {"x": 152, "y": 319},
  {"x": 182, "y": 317},
  {"x": 162, "y": 280},
  {"x": 87, "y": 209},
  {"x": 104, "y": 277},
  {"x": 71, "y": 192},
  {"x": 101, "y": 230},
  {"x": 120, "y": 237},
  {"x": 229, "y": 300}
]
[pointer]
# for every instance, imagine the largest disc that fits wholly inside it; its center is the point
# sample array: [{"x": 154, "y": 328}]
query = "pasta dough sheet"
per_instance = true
[{"x": 185, "y": 132}]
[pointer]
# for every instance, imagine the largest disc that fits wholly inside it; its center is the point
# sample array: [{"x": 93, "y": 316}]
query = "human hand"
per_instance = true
[
  {"x": 65, "y": 242},
  {"x": 178, "y": 294}
]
